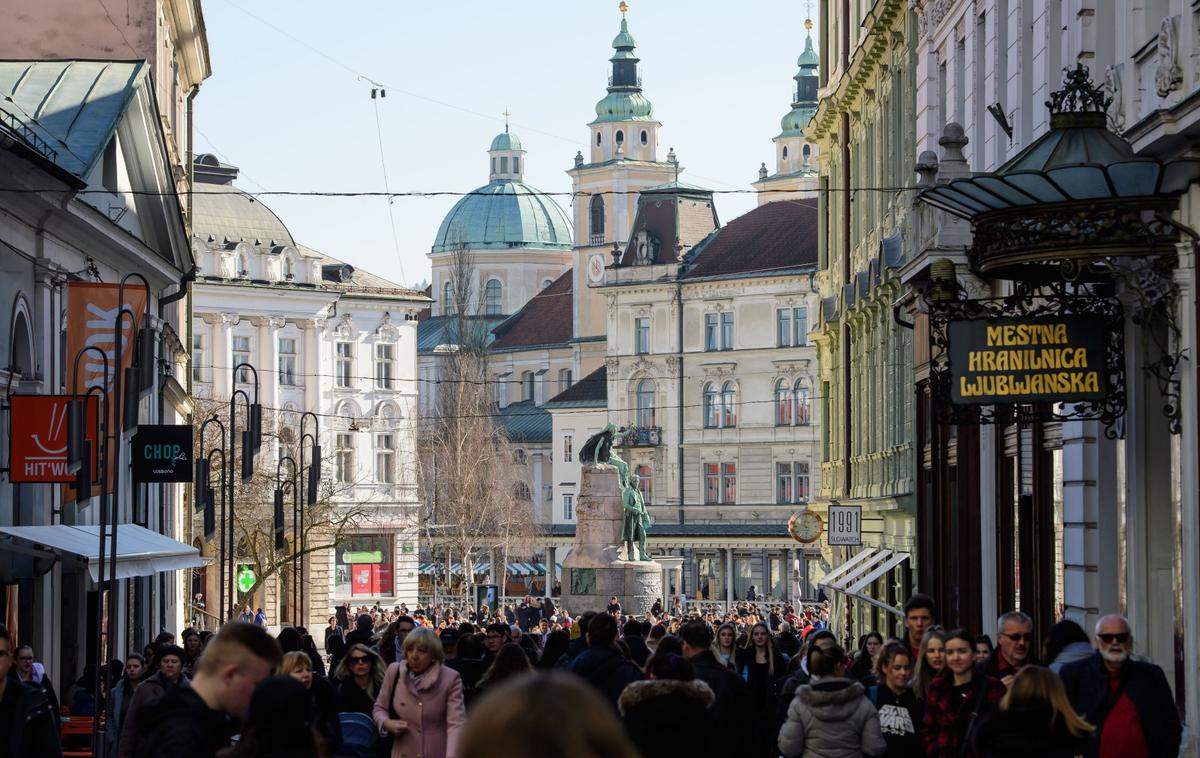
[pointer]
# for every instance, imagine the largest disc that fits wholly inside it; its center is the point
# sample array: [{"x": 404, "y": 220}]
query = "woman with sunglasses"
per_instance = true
[
  {"x": 358, "y": 678},
  {"x": 957, "y": 699}
]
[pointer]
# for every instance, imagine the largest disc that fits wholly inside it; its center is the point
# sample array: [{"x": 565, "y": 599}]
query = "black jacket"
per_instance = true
[
  {"x": 606, "y": 670},
  {"x": 900, "y": 718},
  {"x": 1086, "y": 682},
  {"x": 638, "y": 650},
  {"x": 668, "y": 717},
  {"x": 360, "y": 637},
  {"x": 181, "y": 725},
  {"x": 30, "y": 721},
  {"x": 1021, "y": 733},
  {"x": 729, "y": 710},
  {"x": 352, "y": 699},
  {"x": 325, "y": 713}
]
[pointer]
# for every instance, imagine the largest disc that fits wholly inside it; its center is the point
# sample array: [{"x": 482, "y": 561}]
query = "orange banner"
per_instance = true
[{"x": 92, "y": 310}]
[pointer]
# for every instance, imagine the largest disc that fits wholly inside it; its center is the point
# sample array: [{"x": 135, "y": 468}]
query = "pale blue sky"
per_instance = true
[{"x": 718, "y": 74}]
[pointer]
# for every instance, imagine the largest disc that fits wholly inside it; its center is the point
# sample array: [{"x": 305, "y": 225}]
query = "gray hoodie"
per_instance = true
[{"x": 831, "y": 719}]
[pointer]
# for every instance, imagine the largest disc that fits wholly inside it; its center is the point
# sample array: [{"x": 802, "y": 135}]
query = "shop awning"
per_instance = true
[
  {"x": 140, "y": 552},
  {"x": 856, "y": 574}
]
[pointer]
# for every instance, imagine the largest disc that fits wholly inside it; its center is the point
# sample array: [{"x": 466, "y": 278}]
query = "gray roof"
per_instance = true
[
  {"x": 589, "y": 392},
  {"x": 437, "y": 331},
  {"x": 72, "y": 107},
  {"x": 225, "y": 214},
  {"x": 526, "y": 422}
]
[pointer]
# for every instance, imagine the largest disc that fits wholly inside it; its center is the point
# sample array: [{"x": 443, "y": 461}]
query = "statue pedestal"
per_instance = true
[{"x": 594, "y": 570}]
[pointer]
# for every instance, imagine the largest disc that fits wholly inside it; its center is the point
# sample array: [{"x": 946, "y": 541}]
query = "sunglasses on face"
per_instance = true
[
  {"x": 358, "y": 659},
  {"x": 1026, "y": 637},
  {"x": 1108, "y": 639}
]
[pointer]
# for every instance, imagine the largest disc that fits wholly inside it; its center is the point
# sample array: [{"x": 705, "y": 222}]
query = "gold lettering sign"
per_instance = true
[{"x": 1043, "y": 359}]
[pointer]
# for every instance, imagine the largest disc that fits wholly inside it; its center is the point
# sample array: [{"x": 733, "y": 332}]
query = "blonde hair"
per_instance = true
[
  {"x": 1036, "y": 685},
  {"x": 923, "y": 673},
  {"x": 585, "y": 725},
  {"x": 425, "y": 639},
  {"x": 294, "y": 661}
]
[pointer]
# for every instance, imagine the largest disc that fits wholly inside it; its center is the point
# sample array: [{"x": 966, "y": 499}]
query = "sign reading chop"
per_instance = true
[{"x": 1027, "y": 360}]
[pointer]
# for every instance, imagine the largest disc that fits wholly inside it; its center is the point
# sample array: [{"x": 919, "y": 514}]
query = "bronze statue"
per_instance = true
[
  {"x": 599, "y": 449},
  {"x": 637, "y": 519}
]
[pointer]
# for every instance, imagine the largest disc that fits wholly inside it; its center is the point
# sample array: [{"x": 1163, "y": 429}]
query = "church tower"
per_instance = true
[
  {"x": 622, "y": 160},
  {"x": 795, "y": 158}
]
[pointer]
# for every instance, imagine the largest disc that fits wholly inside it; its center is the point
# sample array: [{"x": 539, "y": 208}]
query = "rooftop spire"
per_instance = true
[{"x": 506, "y": 114}]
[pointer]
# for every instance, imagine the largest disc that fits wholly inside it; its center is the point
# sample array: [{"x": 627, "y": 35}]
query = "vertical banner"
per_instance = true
[{"x": 92, "y": 309}]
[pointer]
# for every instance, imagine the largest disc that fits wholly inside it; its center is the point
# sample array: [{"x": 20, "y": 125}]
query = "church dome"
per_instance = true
[
  {"x": 506, "y": 141},
  {"x": 505, "y": 214},
  {"x": 224, "y": 214},
  {"x": 796, "y": 119}
]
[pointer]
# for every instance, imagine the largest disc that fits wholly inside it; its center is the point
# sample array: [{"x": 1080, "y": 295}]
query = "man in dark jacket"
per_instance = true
[
  {"x": 1014, "y": 647},
  {"x": 196, "y": 722},
  {"x": 363, "y": 633},
  {"x": 578, "y": 645},
  {"x": 602, "y": 664},
  {"x": 632, "y": 634},
  {"x": 729, "y": 709},
  {"x": 1128, "y": 701},
  {"x": 787, "y": 642},
  {"x": 28, "y": 725}
]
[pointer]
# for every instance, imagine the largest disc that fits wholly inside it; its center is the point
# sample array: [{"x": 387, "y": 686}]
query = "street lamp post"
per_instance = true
[
  {"x": 280, "y": 482},
  {"x": 251, "y": 442},
  {"x": 204, "y": 497},
  {"x": 314, "y": 478}
]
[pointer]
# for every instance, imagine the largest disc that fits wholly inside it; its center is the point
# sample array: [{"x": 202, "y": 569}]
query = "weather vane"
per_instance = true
[{"x": 624, "y": 8}]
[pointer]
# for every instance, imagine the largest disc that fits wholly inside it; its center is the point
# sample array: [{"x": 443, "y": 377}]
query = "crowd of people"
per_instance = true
[{"x": 753, "y": 681}]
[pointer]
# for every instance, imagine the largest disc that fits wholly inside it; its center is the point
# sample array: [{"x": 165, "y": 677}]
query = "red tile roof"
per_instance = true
[
  {"x": 772, "y": 237},
  {"x": 547, "y": 319}
]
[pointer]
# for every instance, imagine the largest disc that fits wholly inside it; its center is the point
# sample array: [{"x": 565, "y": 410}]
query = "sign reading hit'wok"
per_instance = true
[{"x": 1027, "y": 360}]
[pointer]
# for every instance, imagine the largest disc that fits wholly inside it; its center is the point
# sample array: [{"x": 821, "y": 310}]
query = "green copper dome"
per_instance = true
[
  {"x": 505, "y": 214},
  {"x": 624, "y": 39},
  {"x": 795, "y": 120},
  {"x": 624, "y": 106},
  {"x": 506, "y": 141},
  {"x": 808, "y": 58},
  {"x": 624, "y": 101}
]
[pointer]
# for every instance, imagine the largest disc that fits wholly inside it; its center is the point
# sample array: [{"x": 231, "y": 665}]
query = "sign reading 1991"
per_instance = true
[{"x": 845, "y": 525}]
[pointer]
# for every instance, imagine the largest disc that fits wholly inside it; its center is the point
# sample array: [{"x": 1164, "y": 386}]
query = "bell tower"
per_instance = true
[{"x": 795, "y": 158}]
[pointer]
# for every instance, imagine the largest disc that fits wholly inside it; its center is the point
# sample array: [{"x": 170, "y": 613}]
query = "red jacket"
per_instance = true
[{"x": 948, "y": 717}]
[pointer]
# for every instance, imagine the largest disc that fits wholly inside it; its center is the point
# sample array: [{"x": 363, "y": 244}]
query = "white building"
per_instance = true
[{"x": 326, "y": 338}]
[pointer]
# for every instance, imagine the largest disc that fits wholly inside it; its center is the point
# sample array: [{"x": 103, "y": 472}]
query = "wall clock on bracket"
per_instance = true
[{"x": 805, "y": 527}]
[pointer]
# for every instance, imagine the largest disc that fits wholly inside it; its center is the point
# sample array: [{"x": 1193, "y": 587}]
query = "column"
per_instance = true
[
  {"x": 311, "y": 350},
  {"x": 794, "y": 590},
  {"x": 267, "y": 360},
  {"x": 1189, "y": 473},
  {"x": 1090, "y": 580},
  {"x": 728, "y": 576},
  {"x": 549, "y": 569},
  {"x": 222, "y": 353}
]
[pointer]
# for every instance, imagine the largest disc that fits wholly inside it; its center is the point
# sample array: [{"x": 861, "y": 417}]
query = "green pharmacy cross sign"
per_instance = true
[{"x": 246, "y": 578}]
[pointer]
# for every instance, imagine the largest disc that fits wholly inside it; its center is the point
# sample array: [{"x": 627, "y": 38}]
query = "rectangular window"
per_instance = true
[
  {"x": 564, "y": 380},
  {"x": 516, "y": 165},
  {"x": 727, "y": 331},
  {"x": 800, "y": 326},
  {"x": 783, "y": 327},
  {"x": 802, "y": 490},
  {"x": 384, "y": 366},
  {"x": 385, "y": 459},
  {"x": 783, "y": 483},
  {"x": 241, "y": 354},
  {"x": 710, "y": 331},
  {"x": 712, "y": 483},
  {"x": 344, "y": 462},
  {"x": 344, "y": 365},
  {"x": 728, "y": 482},
  {"x": 568, "y": 507},
  {"x": 197, "y": 357},
  {"x": 287, "y": 361},
  {"x": 646, "y": 483},
  {"x": 642, "y": 336},
  {"x": 567, "y": 450},
  {"x": 503, "y": 164}
]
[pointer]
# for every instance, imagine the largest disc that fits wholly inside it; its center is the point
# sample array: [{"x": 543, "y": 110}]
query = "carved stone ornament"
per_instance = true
[
  {"x": 672, "y": 365},
  {"x": 1167, "y": 74},
  {"x": 612, "y": 365},
  {"x": 1112, "y": 85},
  {"x": 916, "y": 7},
  {"x": 345, "y": 327},
  {"x": 387, "y": 330}
]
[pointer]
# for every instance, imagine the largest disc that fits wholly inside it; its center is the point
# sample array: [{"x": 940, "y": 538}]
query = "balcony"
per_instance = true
[
  {"x": 641, "y": 436},
  {"x": 595, "y": 239}
]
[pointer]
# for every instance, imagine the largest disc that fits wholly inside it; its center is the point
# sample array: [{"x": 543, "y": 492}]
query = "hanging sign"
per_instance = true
[
  {"x": 38, "y": 438},
  {"x": 845, "y": 525},
  {"x": 1037, "y": 359},
  {"x": 162, "y": 453}
]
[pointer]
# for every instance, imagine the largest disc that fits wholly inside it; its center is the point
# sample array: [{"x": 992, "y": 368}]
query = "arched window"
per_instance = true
[
  {"x": 645, "y": 403},
  {"x": 729, "y": 404},
  {"x": 597, "y": 139},
  {"x": 785, "y": 152},
  {"x": 521, "y": 491},
  {"x": 520, "y": 458},
  {"x": 711, "y": 418},
  {"x": 289, "y": 272},
  {"x": 22, "y": 346},
  {"x": 492, "y": 295},
  {"x": 803, "y": 404},
  {"x": 806, "y": 151},
  {"x": 596, "y": 211},
  {"x": 645, "y": 137},
  {"x": 620, "y": 138},
  {"x": 646, "y": 482},
  {"x": 447, "y": 298},
  {"x": 242, "y": 269},
  {"x": 783, "y": 403}
]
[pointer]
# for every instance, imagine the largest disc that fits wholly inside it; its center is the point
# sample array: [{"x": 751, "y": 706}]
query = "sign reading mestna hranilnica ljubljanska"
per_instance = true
[{"x": 1027, "y": 360}]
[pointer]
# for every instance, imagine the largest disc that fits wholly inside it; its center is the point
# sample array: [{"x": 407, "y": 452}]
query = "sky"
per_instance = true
[{"x": 289, "y": 102}]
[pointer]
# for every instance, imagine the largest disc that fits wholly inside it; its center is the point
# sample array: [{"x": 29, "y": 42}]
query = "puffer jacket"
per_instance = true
[
  {"x": 831, "y": 719},
  {"x": 668, "y": 716}
]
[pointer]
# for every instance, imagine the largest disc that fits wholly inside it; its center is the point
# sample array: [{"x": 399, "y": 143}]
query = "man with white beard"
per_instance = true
[{"x": 1127, "y": 700}]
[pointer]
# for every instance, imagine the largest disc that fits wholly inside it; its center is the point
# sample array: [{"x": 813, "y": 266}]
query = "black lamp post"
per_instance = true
[
  {"x": 314, "y": 478},
  {"x": 251, "y": 442},
  {"x": 205, "y": 496},
  {"x": 280, "y": 483}
]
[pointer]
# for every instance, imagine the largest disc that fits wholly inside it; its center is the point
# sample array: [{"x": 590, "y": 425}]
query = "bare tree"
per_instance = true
[
  {"x": 323, "y": 526},
  {"x": 478, "y": 492}
]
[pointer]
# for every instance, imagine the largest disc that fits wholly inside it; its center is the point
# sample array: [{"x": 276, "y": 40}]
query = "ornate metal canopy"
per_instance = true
[{"x": 1073, "y": 198}]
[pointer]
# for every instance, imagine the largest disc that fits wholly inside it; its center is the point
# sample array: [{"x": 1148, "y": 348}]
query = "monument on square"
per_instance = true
[{"x": 609, "y": 512}]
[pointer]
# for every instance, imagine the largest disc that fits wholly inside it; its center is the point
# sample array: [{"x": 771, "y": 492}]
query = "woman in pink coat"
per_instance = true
[{"x": 421, "y": 701}]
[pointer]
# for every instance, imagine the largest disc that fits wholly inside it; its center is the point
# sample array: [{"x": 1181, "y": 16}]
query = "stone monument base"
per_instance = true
[{"x": 636, "y": 584}]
